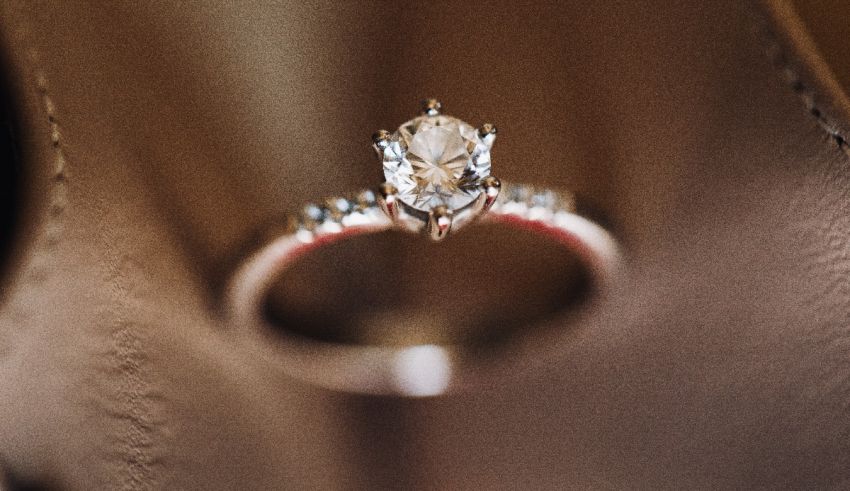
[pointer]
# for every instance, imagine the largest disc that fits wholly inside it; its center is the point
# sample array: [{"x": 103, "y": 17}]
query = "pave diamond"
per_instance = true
[{"x": 436, "y": 160}]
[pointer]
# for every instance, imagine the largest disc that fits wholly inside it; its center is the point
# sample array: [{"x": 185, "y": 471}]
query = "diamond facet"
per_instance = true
[{"x": 436, "y": 160}]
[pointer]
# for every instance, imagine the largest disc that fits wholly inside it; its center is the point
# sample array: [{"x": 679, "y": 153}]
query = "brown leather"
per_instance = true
[{"x": 157, "y": 138}]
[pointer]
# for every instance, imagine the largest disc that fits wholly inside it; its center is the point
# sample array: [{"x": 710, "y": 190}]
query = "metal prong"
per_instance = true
[
  {"x": 431, "y": 107},
  {"x": 380, "y": 141},
  {"x": 388, "y": 200},
  {"x": 439, "y": 222},
  {"x": 490, "y": 188},
  {"x": 487, "y": 132}
]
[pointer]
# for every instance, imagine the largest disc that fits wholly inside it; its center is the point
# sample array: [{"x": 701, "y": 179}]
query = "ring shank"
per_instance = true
[{"x": 423, "y": 370}]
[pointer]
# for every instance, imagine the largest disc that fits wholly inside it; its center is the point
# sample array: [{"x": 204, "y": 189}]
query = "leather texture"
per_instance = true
[{"x": 157, "y": 138}]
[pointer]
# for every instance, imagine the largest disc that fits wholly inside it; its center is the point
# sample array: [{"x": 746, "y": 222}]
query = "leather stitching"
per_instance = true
[
  {"x": 782, "y": 62},
  {"x": 51, "y": 232},
  {"x": 136, "y": 461},
  {"x": 58, "y": 201}
]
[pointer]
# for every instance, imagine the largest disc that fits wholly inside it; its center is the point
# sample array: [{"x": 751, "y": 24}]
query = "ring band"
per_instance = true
[
  {"x": 414, "y": 370},
  {"x": 437, "y": 171}
]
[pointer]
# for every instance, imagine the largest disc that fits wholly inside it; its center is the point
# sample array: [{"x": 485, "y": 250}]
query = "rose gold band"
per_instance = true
[{"x": 414, "y": 370}]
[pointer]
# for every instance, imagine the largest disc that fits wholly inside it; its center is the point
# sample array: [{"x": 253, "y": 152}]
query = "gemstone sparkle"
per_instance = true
[{"x": 436, "y": 160}]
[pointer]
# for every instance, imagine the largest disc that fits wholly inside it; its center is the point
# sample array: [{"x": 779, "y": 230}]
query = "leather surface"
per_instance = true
[{"x": 157, "y": 138}]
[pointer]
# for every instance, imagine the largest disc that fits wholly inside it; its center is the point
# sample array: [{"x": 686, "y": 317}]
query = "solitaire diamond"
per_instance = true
[{"x": 437, "y": 160}]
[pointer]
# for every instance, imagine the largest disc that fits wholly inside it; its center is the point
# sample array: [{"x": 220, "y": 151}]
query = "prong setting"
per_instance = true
[
  {"x": 490, "y": 188},
  {"x": 431, "y": 107},
  {"x": 439, "y": 222},
  {"x": 388, "y": 200},
  {"x": 381, "y": 139},
  {"x": 487, "y": 132}
]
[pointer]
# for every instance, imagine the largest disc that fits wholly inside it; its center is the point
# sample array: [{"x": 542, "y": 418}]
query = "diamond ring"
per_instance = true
[{"x": 437, "y": 180}]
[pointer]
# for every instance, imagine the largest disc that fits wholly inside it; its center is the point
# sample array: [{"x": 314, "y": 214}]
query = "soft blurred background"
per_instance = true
[{"x": 153, "y": 141}]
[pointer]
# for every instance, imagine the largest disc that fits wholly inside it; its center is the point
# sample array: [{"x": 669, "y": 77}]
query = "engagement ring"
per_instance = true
[{"x": 437, "y": 180}]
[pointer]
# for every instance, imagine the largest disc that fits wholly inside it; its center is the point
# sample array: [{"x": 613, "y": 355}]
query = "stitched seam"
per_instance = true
[
  {"x": 126, "y": 345},
  {"x": 52, "y": 226},
  {"x": 780, "y": 60}
]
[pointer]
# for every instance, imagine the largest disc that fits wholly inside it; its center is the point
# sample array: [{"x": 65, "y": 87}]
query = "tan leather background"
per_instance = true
[{"x": 159, "y": 137}]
